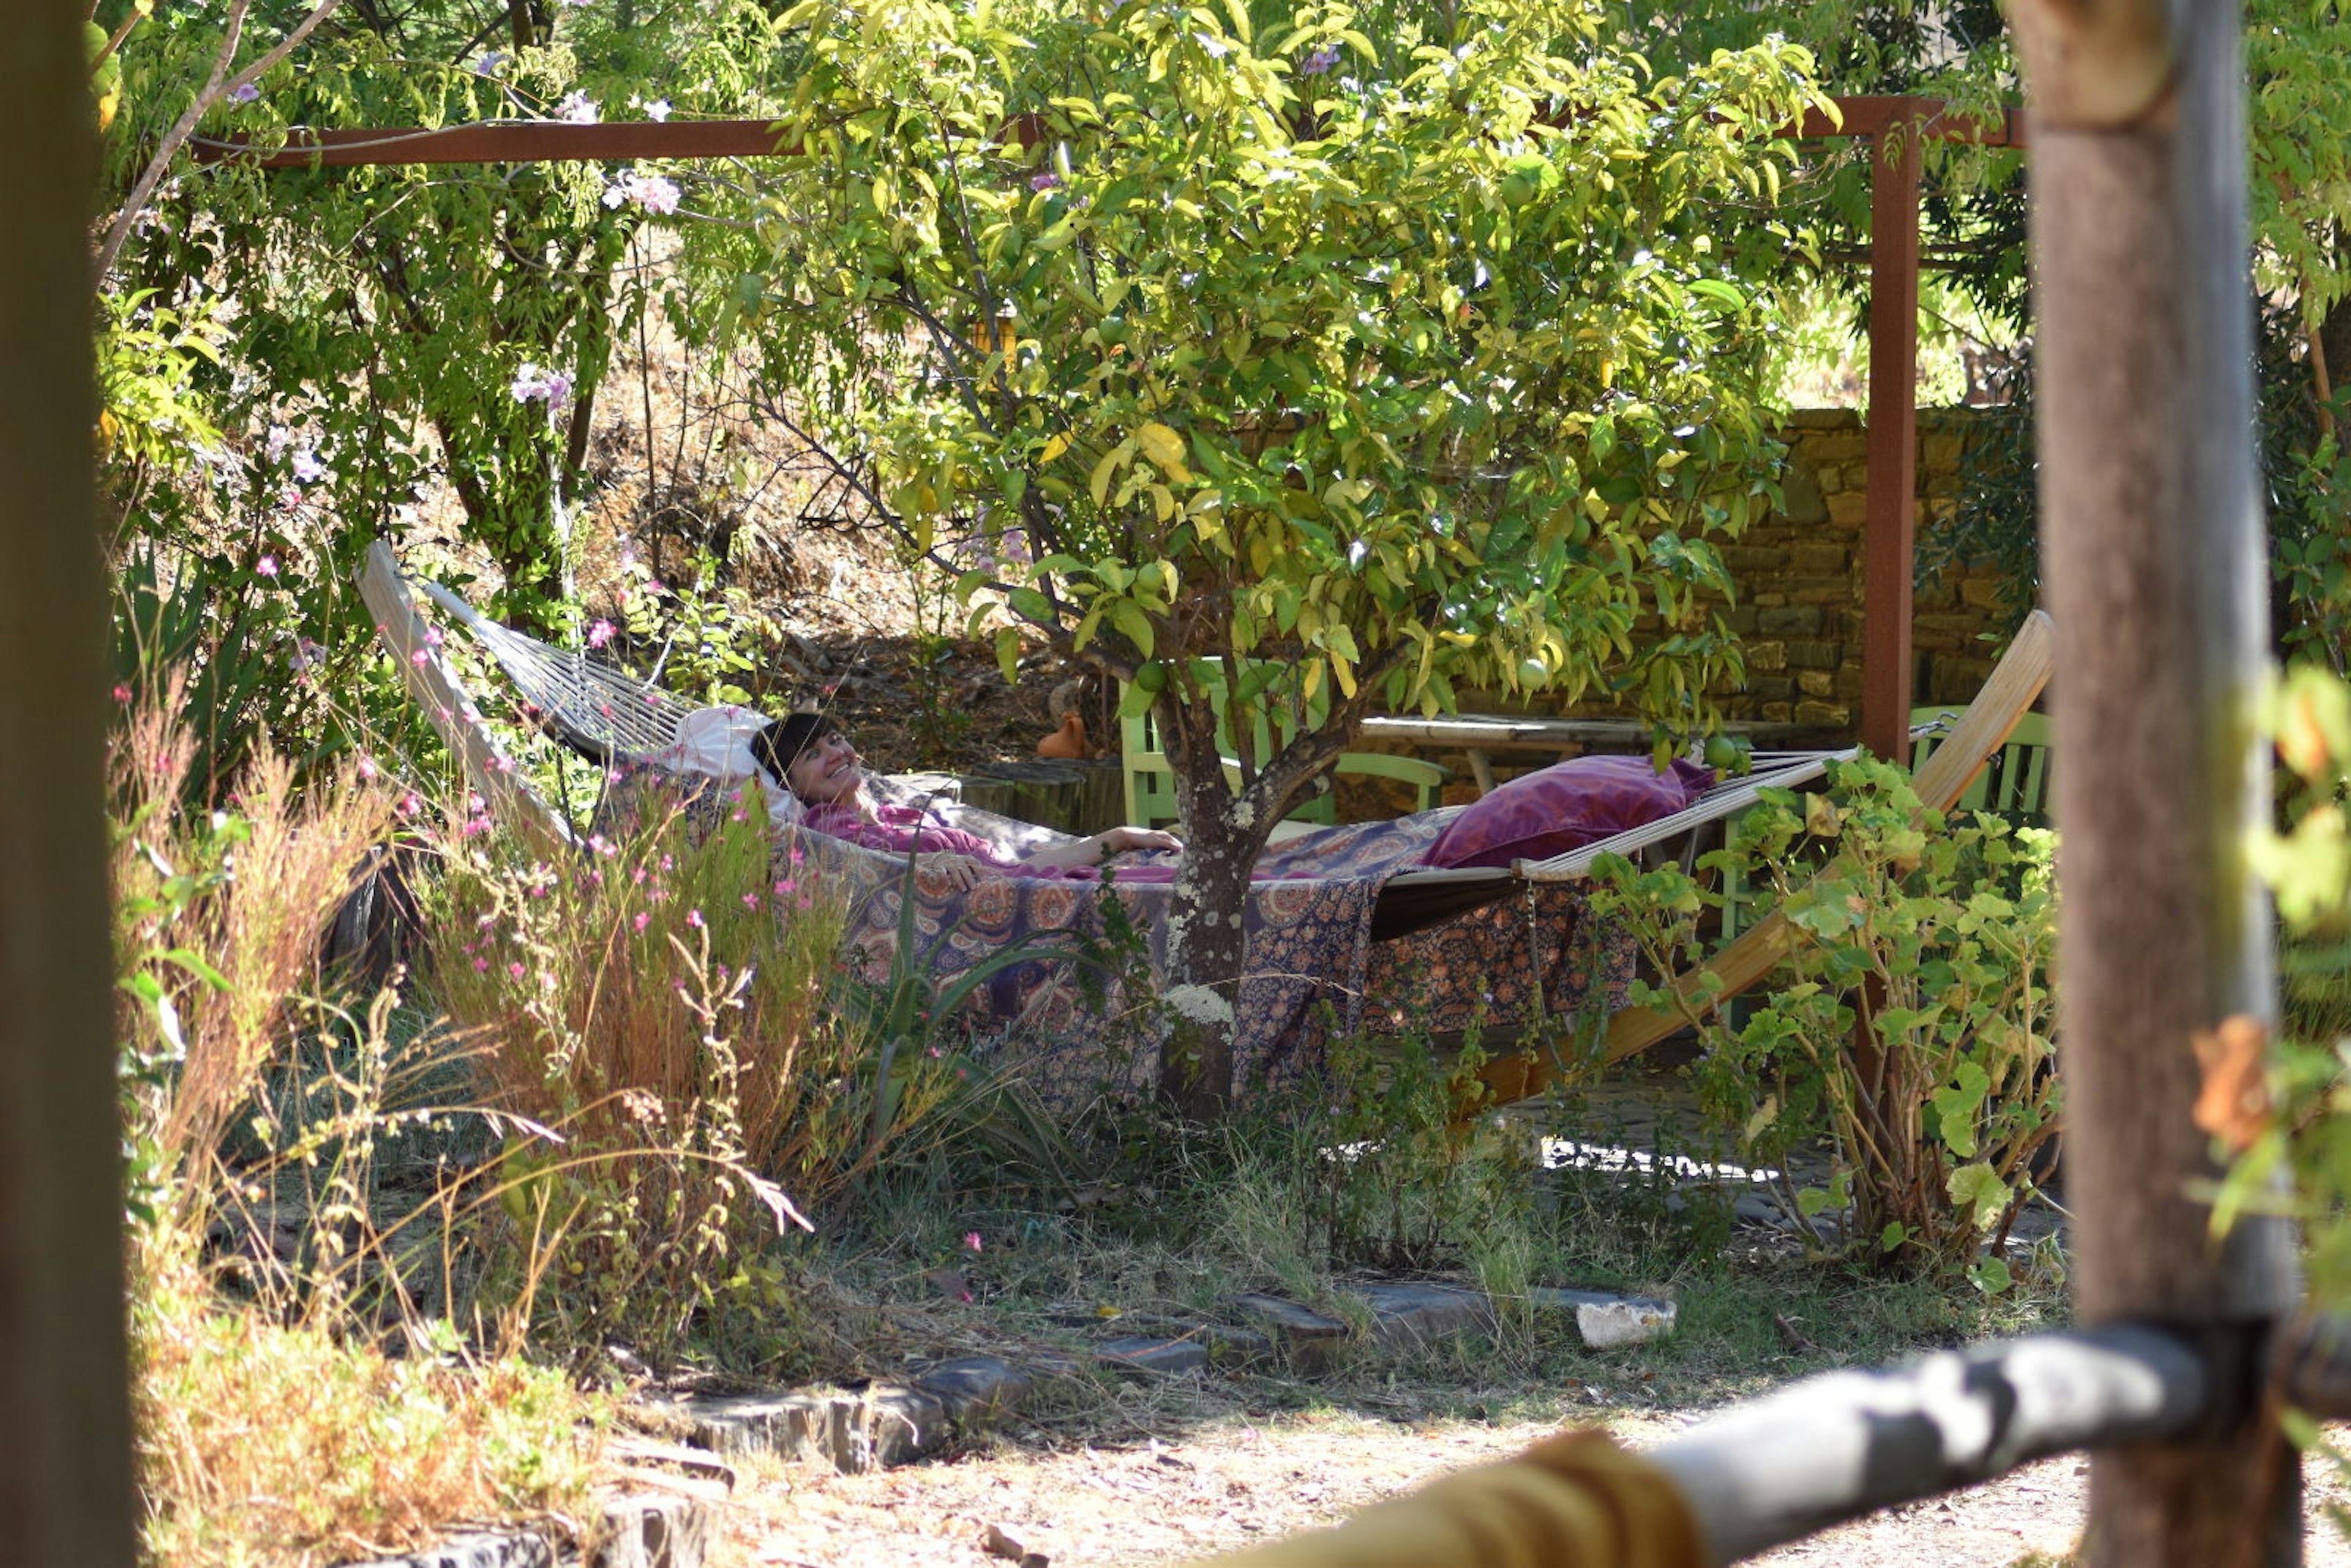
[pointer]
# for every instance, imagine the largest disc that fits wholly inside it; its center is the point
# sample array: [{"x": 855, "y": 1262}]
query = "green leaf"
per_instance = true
[
  {"x": 1720, "y": 292},
  {"x": 1978, "y": 1191},
  {"x": 1990, "y": 1275},
  {"x": 1007, "y": 655},
  {"x": 1135, "y": 625}
]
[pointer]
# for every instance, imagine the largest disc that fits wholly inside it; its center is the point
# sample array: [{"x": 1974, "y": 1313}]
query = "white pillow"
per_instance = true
[{"x": 716, "y": 743}]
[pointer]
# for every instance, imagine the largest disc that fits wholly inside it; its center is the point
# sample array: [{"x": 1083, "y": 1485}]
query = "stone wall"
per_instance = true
[{"x": 1799, "y": 607}]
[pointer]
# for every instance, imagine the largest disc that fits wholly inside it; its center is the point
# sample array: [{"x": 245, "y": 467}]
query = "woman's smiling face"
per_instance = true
[{"x": 825, "y": 771}]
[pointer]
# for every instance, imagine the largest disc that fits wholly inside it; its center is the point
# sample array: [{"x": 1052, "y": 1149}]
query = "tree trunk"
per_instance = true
[
  {"x": 2155, "y": 573},
  {"x": 66, "y": 1490},
  {"x": 1206, "y": 939}
]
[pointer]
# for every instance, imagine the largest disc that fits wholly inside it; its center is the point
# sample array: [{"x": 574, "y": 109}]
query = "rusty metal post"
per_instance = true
[
  {"x": 1892, "y": 499},
  {"x": 65, "y": 1424},
  {"x": 2156, "y": 576}
]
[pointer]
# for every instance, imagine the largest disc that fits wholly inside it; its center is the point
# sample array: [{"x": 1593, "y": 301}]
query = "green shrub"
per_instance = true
[{"x": 1942, "y": 929}]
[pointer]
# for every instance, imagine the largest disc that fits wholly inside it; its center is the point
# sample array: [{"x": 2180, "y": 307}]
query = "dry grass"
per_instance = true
[
  {"x": 261, "y": 1441},
  {"x": 273, "y": 1424},
  {"x": 223, "y": 918}
]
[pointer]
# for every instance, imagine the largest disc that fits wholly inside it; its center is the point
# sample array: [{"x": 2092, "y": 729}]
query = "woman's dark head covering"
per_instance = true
[{"x": 779, "y": 744}]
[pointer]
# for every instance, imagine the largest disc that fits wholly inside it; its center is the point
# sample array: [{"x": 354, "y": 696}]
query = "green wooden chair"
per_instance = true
[
  {"x": 2014, "y": 784},
  {"x": 1151, "y": 779}
]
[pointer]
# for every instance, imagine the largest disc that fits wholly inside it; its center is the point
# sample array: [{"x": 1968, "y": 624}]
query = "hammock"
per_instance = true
[{"x": 609, "y": 717}]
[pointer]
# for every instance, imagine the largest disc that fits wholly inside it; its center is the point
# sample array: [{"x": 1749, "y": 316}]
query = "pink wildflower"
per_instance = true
[
  {"x": 600, "y": 634},
  {"x": 515, "y": 969},
  {"x": 694, "y": 918},
  {"x": 971, "y": 1240},
  {"x": 266, "y": 566},
  {"x": 750, "y": 901},
  {"x": 643, "y": 920},
  {"x": 122, "y": 694},
  {"x": 481, "y": 965}
]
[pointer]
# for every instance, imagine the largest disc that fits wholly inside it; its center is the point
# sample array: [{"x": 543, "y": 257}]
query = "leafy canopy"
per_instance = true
[{"x": 1406, "y": 362}]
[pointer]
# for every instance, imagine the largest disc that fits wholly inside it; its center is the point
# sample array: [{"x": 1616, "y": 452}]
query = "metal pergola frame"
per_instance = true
[{"x": 1896, "y": 127}]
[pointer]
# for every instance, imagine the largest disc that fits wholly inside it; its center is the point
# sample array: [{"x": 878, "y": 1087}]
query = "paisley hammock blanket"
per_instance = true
[{"x": 1312, "y": 964}]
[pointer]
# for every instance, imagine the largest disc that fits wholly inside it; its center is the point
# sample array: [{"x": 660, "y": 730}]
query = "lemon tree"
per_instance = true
[{"x": 1380, "y": 367}]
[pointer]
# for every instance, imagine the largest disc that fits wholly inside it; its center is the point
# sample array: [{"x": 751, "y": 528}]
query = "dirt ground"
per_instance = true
[{"x": 1239, "y": 1481}]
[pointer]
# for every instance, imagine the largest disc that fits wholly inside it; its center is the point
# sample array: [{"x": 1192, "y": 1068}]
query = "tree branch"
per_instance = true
[{"x": 215, "y": 89}]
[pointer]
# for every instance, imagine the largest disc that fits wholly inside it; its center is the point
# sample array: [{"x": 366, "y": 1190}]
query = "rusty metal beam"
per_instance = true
[
  {"x": 554, "y": 142},
  {"x": 505, "y": 142},
  {"x": 1892, "y": 496}
]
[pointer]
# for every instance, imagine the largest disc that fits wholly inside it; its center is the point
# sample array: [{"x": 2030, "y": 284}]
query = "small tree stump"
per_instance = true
[{"x": 1084, "y": 797}]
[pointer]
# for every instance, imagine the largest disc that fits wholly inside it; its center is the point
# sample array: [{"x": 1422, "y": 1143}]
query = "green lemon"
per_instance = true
[
  {"x": 1724, "y": 755},
  {"x": 1517, "y": 191},
  {"x": 1151, "y": 677}
]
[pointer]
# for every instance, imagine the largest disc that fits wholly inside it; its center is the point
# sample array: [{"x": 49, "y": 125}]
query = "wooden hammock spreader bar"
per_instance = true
[
  {"x": 437, "y": 690},
  {"x": 1980, "y": 731}
]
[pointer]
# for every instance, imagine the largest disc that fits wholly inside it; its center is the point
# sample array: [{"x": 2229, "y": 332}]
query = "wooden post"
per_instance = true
[
  {"x": 65, "y": 1418},
  {"x": 2154, "y": 561},
  {"x": 1892, "y": 499}
]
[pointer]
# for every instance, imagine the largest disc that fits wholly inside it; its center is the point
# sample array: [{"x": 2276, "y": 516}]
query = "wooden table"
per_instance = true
[{"x": 1480, "y": 734}]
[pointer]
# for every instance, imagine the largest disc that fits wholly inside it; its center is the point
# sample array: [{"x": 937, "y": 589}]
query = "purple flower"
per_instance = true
[
  {"x": 655, "y": 192},
  {"x": 244, "y": 93},
  {"x": 1047, "y": 181},
  {"x": 1321, "y": 61},
  {"x": 266, "y": 566},
  {"x": 550, "y": 386},
  {"x": 307, "y": 468},
  {"x": 488, "y": 64},
  {"x": 657, "y": 111},
  {"x": 599, "y": 634},
  {"x": 578, "y": 109}
]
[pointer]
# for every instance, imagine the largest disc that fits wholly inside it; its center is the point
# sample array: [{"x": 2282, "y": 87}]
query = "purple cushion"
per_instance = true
[{"x": 1566, "y": 807}]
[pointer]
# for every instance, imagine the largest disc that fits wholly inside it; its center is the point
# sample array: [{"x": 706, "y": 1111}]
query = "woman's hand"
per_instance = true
[
  {"x": 961, "y": 873},
  {"x": 1122, "y": 841}
]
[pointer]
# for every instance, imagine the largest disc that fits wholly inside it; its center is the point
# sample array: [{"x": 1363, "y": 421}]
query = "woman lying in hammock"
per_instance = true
[
  {"x": 1548, "y": 813},
  {"x": 811, "y": 757}
]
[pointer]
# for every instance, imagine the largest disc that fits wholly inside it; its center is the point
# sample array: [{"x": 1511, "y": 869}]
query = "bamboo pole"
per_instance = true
[
  {"x": 2153, "y": 557},
  {"x": 65, "y": 1422}
]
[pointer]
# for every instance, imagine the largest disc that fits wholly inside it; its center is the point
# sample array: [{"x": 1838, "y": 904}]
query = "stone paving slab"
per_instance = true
[
  {"x": 1407, "y": 1318},
  {"x": 647, "y": 1530},
  {"x": 889, "y": 1423},
  {"x": 1144, "y": 1352},
  {"x": 1310, "y": 1343}
]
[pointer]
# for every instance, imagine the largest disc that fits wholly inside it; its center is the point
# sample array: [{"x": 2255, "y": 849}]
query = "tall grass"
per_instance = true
[
  {"x": 660, "y": 1009},
  {"x": 272, "y": 1423},
  {"x": 220, "y": 916}
]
